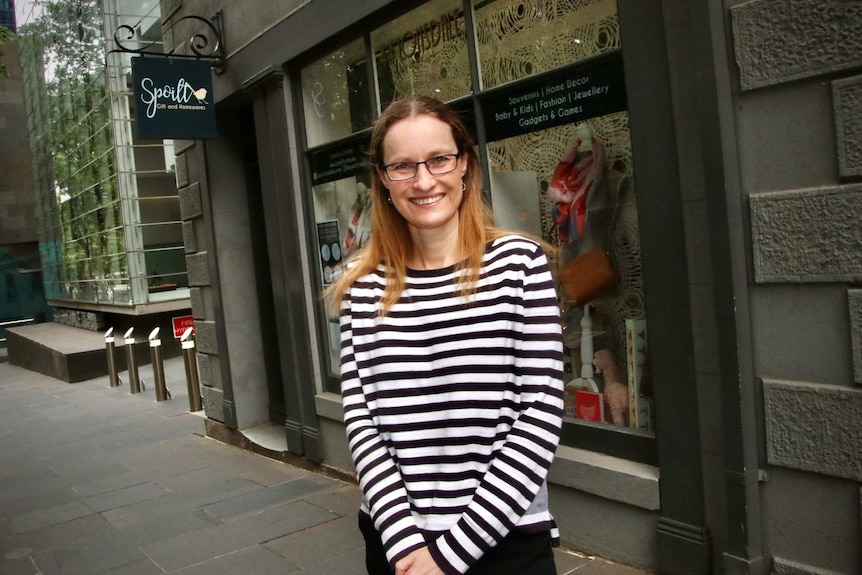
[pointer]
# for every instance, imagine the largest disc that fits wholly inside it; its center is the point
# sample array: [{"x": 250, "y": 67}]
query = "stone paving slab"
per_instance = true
[
  {"x": 258, "y": 560},
  {"x": 199, "y": 546},
  {"x": 259, "y": 500},
  {"x": 95, "y": 480},
  {"x": 322, "y": 543},
  {"x": 106, "y": 552},
  {"x": 189, "y": 502}
]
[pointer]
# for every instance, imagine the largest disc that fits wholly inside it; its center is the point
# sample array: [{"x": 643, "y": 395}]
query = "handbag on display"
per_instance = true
[
  {"x": 587, "y": 276},
  {"x": 588, "y": 194}
]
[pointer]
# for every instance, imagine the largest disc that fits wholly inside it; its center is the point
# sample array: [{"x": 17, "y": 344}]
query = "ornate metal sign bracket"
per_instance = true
[{"x": 205, "y": 44}]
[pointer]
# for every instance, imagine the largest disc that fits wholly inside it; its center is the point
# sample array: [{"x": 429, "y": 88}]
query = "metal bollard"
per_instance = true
[
  {"x": 112, "y": 363},
  {"x": 191, "y": 363},
  {"x": 162, "y": 392},
  {"x": 134, "y": 380}
]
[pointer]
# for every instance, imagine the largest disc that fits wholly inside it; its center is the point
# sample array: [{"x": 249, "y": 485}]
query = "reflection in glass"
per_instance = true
[
  {"x": 348, "y": 202},
  {"x": 336, "y": 96},
  {"x": 520, "y": 38},
  {"x": 82, "y": 141},
  {"x": 424, "y": 52}
]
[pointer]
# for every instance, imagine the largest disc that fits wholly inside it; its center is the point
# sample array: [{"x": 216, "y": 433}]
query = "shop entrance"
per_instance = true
[{"x": 263, "y": 280}]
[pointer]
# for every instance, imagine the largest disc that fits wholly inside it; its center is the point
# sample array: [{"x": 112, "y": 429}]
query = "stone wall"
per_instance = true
[{"x": 800, "y": 120}]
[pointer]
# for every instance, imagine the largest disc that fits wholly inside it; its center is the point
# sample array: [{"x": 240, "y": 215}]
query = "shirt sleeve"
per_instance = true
[
  {"x": 520, "y": 467},
  {"x": 379, "y": 477}
]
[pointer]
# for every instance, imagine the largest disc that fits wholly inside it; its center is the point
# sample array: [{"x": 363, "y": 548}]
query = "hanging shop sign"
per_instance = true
[
  {"x": 575, "y": 94},
  {"x": 173, "y": 98},
  {"x": 338, "y": 162}
]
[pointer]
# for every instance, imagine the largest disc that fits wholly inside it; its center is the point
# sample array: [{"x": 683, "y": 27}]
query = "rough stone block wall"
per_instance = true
[
  {"x": 89, "y": 320},
  {"x": 847, "y": 101},
  {"x": 854, "y": 300},
  {"x": 809, "y": 235},
  {"x": 814, "y": 427},
  {"x": 197, "y": 263},
  {"x": 778, "y": 41}
]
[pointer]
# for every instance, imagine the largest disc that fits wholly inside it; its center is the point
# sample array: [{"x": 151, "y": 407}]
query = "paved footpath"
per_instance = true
[{"x": 94, "y": 479}]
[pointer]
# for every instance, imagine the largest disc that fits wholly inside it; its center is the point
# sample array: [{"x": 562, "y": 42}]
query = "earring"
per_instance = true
[
  {"x": 463, "y": 186},
  {"x": 389, "y": 199}
]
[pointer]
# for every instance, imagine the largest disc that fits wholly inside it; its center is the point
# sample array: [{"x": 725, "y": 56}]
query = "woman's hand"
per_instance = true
[{"x": 419, "y": 562}]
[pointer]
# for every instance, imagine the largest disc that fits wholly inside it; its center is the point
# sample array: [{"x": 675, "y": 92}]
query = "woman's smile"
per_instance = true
[{"x": 427, "y": 200}]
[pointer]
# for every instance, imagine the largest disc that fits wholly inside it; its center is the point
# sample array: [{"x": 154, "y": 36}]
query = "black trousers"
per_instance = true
[{"x": 518, "y": 553}]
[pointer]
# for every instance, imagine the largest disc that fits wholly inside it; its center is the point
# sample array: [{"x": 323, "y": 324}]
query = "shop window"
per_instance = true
[
  {"x": 519, "y": 38},
  {"x": 561, "y": 167},
  {"x": 335, "y": 95},
  {"x": 552, "y": 125},
  {"x": 572, "y": 185},
  {"x": 341, "y": 202},
  {"x": 423, "y": 52}
]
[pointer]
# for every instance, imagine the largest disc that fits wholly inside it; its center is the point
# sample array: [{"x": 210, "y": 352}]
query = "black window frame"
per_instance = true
[{"x": 623, "y": 443}]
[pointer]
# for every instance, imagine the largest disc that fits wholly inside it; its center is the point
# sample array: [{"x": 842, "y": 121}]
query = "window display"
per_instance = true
[
  {"x": 555, "y": 138},
  {"x": 587, "y": 208},
  {"x": 341, "y": 210},
  {"x": 565, "y": 123}
]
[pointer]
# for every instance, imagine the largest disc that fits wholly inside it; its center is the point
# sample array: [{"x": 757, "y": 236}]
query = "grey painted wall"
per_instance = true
[
  {"x": 240, "y": 314},
  {"x": 799, "y": 142}
]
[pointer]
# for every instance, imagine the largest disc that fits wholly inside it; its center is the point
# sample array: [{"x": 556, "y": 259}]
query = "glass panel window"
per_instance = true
[
  {"x": 89, "y": 170},
  {"x": 335, "y": 95},
  {"x": 582, "y": 200},
  {"x": 561, "y": 168},
  {"x": 555, "y": 135},
  {"x": 423, "y": 52},
  {"x": 519, "y": 38},
  {"x": 341, "y": 202}
]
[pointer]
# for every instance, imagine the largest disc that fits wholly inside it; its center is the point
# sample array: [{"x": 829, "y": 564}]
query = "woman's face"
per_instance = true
[{"x": 425, "y": 201}]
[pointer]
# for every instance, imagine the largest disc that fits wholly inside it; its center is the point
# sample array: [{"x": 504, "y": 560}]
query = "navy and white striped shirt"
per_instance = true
[{"x": 453, "y": 406}]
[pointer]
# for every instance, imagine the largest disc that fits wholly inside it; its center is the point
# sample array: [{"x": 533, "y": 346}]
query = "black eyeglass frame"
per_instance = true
[{"x": 416, "y": 165}]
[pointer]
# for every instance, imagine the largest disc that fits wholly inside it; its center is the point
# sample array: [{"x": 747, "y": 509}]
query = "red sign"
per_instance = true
[
  {"x": 181, "y": 324},
  {"x": 590, "y": 405}
]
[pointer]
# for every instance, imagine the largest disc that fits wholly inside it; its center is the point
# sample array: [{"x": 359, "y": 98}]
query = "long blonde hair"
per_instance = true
[{"x": 390, "y": 242}]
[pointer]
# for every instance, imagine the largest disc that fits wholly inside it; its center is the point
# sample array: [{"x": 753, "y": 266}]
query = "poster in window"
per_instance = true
[{"x": 329, "y": 249}]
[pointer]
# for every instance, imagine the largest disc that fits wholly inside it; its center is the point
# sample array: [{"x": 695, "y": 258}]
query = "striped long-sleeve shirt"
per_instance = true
[{"x": 453, "y": 405}]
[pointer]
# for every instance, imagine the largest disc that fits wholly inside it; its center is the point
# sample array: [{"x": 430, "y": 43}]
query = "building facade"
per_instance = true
[
  {"x": 7, "y": 15},
  {"x": 722, "y": 143},
  {"x": 109, "y": 231},
  {"x": 22, "y": 299}
]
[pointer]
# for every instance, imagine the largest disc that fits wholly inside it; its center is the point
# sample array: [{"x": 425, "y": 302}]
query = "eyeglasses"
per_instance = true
[{"x": 437, "y": 166}]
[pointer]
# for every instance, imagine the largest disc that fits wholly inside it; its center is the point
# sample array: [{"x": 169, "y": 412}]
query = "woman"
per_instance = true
[{"x": 451, "y": 363}]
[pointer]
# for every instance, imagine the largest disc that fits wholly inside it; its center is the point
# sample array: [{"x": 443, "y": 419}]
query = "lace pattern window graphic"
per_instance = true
[
  {"x": 520, "y": 38},
  {"x": 423, "y": 52}
]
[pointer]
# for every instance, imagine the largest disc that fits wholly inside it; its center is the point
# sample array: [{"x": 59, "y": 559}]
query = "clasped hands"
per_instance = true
[{"x": 418, "y": 562}]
